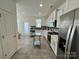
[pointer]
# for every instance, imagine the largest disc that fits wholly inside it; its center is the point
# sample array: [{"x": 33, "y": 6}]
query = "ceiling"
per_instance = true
[{"x": 32, "y": 7}]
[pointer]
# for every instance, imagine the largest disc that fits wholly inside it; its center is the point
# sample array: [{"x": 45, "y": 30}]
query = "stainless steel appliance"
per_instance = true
[
  {"x": 64, "y": 34},
  {"x": 70, "y": 49},
  {"x": 71, "y": 52},
  {"x": 67, "y": 41},
  {"x": 63, "y": 45}
]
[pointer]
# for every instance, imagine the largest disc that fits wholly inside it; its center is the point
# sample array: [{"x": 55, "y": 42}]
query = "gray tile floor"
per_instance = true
[{"x": 29, "y": 52}]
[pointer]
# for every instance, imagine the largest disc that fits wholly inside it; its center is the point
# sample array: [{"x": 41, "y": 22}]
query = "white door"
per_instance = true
[
  {"x": 10, "y": 33},
  {"x": 3, "y": 34}
]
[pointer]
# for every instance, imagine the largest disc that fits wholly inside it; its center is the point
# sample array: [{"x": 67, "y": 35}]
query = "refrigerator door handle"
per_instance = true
[
  {"x": 70, "y": 41},
  {"x": 67, "y": 41}
]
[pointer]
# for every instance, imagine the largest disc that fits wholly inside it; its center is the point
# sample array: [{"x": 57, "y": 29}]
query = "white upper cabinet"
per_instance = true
[
  {"x": 72, "y": 4},
  {"x": 68, "y": 6},
  {"x": 63, "y": 8},
  {"x": 8, "y": 5}
]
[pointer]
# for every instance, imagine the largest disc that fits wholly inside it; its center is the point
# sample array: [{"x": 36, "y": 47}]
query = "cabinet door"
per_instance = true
[
  {"x": 54, "y": 43},
  {"x": 72, "y": 4}
]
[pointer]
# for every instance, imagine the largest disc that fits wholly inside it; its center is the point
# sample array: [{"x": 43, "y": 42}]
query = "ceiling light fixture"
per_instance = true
[{"x": 41, "y": 5}]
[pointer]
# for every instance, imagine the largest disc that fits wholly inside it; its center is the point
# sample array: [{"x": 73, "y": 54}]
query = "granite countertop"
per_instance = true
[{"x": 56, "y": 33}]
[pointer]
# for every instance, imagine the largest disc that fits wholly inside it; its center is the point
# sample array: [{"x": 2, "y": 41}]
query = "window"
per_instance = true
[
  {"x": 26, "y": 27},
  {"x": 38, "y": 23}
]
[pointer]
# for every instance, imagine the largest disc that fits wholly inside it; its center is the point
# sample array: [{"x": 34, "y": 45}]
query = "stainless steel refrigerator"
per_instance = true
[
  {"x": 73, "y": 45},
  {"x": 68, "y": 47}
]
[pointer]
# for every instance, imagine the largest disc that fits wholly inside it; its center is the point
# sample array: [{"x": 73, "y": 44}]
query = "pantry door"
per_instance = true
[
  {"x": 3, "y": 35},
  {"x": 11, "y": 33}
]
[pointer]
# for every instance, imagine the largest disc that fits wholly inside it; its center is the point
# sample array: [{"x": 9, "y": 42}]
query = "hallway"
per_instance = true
[{"x": 29, "y": 52}]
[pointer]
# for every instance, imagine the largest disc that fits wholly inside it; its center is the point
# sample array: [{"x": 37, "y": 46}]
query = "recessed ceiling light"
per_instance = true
[{"x": 41, "y": 5}]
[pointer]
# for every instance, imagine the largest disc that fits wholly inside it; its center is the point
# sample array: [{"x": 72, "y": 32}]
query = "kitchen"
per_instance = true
[{"x": 25, "y": 23}]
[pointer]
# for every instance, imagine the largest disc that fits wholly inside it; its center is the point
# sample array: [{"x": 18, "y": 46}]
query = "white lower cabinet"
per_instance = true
[
  {"x": 54, "y": 43},
  {"x": 8, "y": 30}
]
